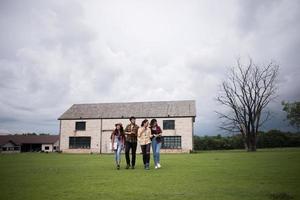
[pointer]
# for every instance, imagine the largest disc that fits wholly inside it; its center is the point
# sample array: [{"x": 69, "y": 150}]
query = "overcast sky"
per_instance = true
[{"x": 57, "y": 53}]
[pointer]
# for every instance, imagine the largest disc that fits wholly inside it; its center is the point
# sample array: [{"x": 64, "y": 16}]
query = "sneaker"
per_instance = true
[
  {"x": 158, "y": 165},
  {"x": 155, "y": 167},
  {"x": 147, "y": 167},
  {"x": 132, "y": 167},
  {"x": 127, "y": 166}
]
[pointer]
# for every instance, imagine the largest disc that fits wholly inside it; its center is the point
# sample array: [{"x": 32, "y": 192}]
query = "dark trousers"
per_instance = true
[
  {"x": 132, "y": 146},
  {"x": 146, "y": 153}
]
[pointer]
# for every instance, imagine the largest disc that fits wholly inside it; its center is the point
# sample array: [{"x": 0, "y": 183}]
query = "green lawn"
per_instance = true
[{"x": 266, "y": 174}]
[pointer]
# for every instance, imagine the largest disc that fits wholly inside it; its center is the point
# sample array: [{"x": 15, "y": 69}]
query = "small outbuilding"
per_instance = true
[{"x": 28, "y": 143}]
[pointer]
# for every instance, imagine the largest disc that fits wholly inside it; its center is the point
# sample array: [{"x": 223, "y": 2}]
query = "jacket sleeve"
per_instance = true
[
  {"x": 159, "y": 131},
  {"x": 112, "y": 137},
  {"x": 149, "y": 133},
  {"x": 139, "y": 132},
  {"x": 123, "y": 138},
  {"x": 137, "y": 129},
  {"x": 126, "y": 129}
]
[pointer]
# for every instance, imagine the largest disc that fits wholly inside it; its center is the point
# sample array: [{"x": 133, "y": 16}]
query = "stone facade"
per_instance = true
[
  {"x": 99, "y": 130},
  {"x": 93, "y": 130}
]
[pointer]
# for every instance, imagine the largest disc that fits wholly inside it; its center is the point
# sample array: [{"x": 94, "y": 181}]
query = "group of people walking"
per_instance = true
[{"x": 147, "y": 134}]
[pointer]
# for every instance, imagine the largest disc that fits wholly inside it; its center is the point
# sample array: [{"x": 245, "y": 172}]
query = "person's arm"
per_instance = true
[
  {"x": 123, "y": 140},
  {"x": 151, "y": 135},
  {"x": 140, "y": 132},
  {"x": 135, "y": 130},
  {"x": 127, "y": 131},
  {"x": 159, "y": 131},
  {"x": 112, "y": 140}
]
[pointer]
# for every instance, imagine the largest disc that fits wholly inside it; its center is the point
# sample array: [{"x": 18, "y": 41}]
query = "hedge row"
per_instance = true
[{"x": 270, "y": 139}]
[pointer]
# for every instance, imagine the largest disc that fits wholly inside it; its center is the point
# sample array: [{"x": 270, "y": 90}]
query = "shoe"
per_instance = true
[
  {"x": 147, "y": 167},
  {"x": 127, "y": 166},
  {"x": 158, "y": 165},
  {"x": 132, "y": 167},
  {"x": 155, "y": 167},
  {"x": 118, "y": 167}
]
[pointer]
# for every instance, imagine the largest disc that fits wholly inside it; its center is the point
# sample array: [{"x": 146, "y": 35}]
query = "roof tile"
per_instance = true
[{"x": 185, "y": 108}]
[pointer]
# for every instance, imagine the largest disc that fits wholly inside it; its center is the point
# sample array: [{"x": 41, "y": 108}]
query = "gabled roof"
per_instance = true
[
  {"x": 185, "y": 108},
  {"x": 29, "y": 139},
  {"x": 12, "y": 142}
]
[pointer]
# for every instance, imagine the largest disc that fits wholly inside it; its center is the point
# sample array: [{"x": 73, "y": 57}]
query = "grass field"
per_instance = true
[{"x": 266, "y": 174}]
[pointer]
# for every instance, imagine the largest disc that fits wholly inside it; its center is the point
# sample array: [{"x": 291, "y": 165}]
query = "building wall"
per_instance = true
[
  {"x": 183, "y": 128},
  {"x": 56, "y": 145},
  {"x": 93, "y": 127},
  {"x": 51, "y": 147},
  {"x": 47, "y": 145},
  {"x": 10, "y": 148}
]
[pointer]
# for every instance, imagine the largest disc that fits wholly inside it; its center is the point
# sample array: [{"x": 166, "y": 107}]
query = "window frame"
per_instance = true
[
  {"x": 173, "y": 142},
  {"x": 78, "y": 127},
  {"x": 76, "y": 144},
  {"x": 167, "y": 126},
  {"x": 17, "y": 148}
]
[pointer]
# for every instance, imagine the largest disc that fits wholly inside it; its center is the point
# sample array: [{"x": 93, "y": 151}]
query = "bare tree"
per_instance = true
[{"x": 247, "y": 92}]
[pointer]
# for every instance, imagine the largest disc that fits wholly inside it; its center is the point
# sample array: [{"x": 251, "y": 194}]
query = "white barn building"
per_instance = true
[{"x": 86, "y": 128}]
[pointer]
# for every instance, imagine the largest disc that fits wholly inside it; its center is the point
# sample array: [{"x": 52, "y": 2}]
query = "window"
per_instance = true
[
  {"x": 46, "y": 147},
  {"x": 16, "y": 148},
  {"x": 169, "y": 124},
  {"x": 54, "y": 147},
  {"x": 171, "y": 142},
  {"x": 79, "y": 142},
  {"x": 80, "y": 126}
]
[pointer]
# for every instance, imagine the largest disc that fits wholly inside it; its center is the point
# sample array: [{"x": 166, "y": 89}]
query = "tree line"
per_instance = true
[{"x": 270, "y": 139}]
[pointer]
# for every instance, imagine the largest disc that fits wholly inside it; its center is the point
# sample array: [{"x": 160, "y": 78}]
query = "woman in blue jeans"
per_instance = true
[
  {"x": 118, "y": 141},
  {"x": 156, "y": 134}
]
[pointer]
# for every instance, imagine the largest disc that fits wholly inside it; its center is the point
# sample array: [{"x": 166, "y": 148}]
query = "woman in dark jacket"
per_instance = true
[
  {"x": 156, "y": 134},
  {"x": 118, "y": 141}
]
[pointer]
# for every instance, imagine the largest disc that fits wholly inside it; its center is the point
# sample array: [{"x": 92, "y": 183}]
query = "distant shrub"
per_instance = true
[{"x": 270, "y": 139}]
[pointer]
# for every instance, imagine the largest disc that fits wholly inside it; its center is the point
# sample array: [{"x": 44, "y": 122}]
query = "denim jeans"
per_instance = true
[
  {"x": 118, "y": 152},
  {"x": 156, "y": 151}
]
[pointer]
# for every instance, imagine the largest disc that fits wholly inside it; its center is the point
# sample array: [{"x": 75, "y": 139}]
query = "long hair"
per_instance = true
[
  {"x": 152, "y": 122},
  {"x": 122, "y": 133},
  {"x": 121, "y": 130},
  {"x": 144, "y": 122}
]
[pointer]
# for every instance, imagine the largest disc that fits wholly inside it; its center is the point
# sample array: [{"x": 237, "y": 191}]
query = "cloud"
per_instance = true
[{"x": 56, "y": 53}]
